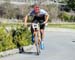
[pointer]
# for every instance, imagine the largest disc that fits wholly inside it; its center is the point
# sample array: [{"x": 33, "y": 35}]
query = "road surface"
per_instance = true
[{"x": 58, "y": 46}]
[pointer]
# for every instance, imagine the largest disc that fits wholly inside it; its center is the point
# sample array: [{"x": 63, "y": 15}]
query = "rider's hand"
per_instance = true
[{"x": 44, "y": 22}]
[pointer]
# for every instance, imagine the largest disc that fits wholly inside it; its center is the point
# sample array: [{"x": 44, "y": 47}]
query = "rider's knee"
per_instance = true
[
  {"x": 42, "y": 31},
  {"x": 34, "y": 33}
]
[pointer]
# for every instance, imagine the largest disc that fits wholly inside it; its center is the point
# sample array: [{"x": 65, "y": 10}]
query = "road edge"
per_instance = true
[{"x": 14, "y": 51}]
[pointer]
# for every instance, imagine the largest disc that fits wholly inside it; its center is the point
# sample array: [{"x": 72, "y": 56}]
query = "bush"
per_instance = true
[
  {"x": 21, "y": 36},
  {"x": 5, "y": 40},
  {"x": 14, "y": 38},
  {"x": 64, "y": 16},
  {"x": 1, "y": 46},
  {"x": 72, "y": 18}
]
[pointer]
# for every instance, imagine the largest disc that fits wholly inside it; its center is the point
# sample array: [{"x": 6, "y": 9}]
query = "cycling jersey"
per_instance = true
[
  {"x": 40, "y": 18},
  {"x": 42, "y": 12}
]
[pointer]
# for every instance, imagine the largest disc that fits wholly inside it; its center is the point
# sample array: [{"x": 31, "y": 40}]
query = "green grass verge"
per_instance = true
[{"x": 69, "y": 26}]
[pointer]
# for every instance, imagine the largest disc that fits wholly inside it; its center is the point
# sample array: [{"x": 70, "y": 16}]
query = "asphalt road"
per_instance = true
[{"x": 58, "y": 46}]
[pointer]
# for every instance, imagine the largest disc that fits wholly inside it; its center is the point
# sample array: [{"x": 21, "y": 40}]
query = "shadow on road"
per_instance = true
[
  {"x": 73, "y": 41},
  {"x": 29, "y": 53},
  {"x": 22, "y": 51}
]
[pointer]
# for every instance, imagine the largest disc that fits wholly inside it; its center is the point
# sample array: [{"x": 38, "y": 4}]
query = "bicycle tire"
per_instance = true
[{"x": 37, "y": 45}]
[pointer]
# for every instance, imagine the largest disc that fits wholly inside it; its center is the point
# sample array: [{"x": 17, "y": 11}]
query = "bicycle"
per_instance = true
[{"x": 37, "y": 36}]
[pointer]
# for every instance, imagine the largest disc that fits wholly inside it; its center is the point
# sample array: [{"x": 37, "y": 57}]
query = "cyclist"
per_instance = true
[{"x": 41, "y": 16}]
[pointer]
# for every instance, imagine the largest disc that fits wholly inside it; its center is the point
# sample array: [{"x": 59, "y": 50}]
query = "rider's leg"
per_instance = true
[
  {"x": 39, "y": 37},
  {"x": 42, "y": 39},
  {"x": 42, "y": 34},
  {"x": 42, "y": 27},
  {"x": 32, "y": 37},
  {"x": 32, "y": 32}
]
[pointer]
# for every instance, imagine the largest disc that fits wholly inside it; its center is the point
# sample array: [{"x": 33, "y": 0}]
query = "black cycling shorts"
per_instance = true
[{"x": 39, "y": 19}]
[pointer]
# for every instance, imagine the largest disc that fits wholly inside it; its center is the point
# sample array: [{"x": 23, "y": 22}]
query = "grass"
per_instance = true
[
  {"x": 69, "y": 26},
  {"x": 52, "y": 25}
]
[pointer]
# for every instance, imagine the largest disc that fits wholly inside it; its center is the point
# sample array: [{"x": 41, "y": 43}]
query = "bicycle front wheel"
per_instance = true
[{"x": 37, "y": 44}]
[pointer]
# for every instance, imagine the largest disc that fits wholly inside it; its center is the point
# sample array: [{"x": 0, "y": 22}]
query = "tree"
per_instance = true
[
  {"x": 1, "y": 11},
  {"x": 71, "y": 4},
  {"x": 62, "y": 1},
  {"x": 8, "y": 10}
]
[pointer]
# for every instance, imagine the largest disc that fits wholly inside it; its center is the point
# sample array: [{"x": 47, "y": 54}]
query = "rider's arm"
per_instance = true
[
  {"x": 25, "y": 20},
  {"x": 46, "y": 18},
  {"x": 26, "y": 17},
  {"x": 46, "y": 15}
]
